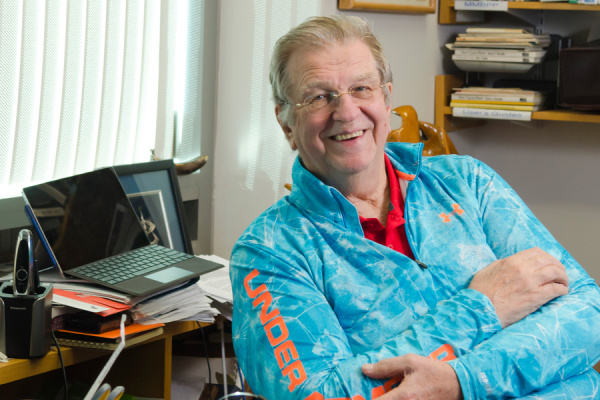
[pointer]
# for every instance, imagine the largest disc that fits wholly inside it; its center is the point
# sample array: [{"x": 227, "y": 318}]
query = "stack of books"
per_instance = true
[
  {"x": 510, "y": 50},
  {"x": 497, "y": 103}
]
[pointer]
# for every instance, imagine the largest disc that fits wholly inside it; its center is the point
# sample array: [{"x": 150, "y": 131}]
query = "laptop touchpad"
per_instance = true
[{"x": 169, "y": 274}]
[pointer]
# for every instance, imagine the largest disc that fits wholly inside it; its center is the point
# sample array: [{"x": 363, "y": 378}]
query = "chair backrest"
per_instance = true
[{"x": 436, "y": 140}]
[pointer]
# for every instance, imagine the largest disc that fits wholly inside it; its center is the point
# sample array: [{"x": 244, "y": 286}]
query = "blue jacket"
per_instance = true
[{"x": 314, "y": 299}]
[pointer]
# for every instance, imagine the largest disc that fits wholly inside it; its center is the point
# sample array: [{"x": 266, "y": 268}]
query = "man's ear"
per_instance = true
[
  {"x": 285, "y": 128},
  {"x": 389, "y": 87}
]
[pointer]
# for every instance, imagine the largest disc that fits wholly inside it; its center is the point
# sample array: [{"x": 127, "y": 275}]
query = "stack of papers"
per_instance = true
[
  {"x": 217, "y": 286},
  {"x": 189, "y": 301},
  {"x": 498, "y": 49}
]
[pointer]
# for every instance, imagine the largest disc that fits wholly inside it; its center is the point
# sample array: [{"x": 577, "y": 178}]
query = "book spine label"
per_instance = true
[
  {"x": 481, "y": 5},
  {"x": 491, "y": 114}
]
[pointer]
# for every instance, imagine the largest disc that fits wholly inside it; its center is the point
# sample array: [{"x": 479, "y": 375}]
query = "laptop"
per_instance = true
[{"x": 91, "y": 231}]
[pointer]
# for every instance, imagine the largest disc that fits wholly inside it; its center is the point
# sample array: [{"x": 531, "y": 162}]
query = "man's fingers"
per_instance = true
[
  {"x": 388, "y": 367},
  {"x": 552, "y": 274},
  {"x": 553, "y": 290}
]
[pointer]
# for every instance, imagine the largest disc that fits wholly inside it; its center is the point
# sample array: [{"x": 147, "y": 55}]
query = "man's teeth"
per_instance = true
[{"x": 348, "y": 135}]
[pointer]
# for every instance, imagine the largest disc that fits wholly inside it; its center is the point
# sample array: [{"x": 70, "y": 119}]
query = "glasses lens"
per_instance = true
[
  {"x": 318, "y": 102},
  {"x": 362, "y": 93}
]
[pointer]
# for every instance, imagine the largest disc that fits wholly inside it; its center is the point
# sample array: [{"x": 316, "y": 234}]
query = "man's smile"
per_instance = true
[{"x": 347, "y": 136}]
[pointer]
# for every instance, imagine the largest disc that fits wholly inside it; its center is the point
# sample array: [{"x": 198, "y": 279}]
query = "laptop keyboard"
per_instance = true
[{"x": 134, "y": 263}]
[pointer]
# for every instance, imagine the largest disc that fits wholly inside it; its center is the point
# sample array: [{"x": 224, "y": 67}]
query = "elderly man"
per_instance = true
[{"x": 384, "y": 274}]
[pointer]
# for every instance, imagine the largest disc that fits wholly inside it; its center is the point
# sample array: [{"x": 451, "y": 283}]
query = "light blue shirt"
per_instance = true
[{"x": 314, "y": 299}]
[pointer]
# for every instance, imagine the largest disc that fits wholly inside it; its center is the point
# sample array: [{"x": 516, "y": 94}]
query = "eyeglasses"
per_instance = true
[{"x": 325, "y": 103}]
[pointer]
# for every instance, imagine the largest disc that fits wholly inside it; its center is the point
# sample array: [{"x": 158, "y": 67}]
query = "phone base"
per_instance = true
[{"x": 25, "y": 322}]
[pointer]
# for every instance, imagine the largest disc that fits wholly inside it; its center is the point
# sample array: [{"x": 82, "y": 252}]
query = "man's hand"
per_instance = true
[
  {"x": 520, "y": 284},
  {"x": 421, "y": 378}
]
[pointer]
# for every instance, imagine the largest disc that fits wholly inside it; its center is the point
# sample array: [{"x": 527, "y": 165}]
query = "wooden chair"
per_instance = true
[{"x": 436, "y": 140}]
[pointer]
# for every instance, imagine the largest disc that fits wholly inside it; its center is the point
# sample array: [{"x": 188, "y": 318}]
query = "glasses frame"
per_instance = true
[{"x": 334, "y": 95}]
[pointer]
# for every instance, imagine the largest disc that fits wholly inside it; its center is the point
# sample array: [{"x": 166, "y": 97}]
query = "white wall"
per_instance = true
[{"x": 553, "y": 165}]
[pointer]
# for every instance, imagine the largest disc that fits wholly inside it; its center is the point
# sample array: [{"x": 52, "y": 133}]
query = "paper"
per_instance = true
[
  {"x": 98, "y": 305},
  {"x": 82, "y": 305},
  {"x": 181, "y": 304},
  {"x": 217, "y": 283}
]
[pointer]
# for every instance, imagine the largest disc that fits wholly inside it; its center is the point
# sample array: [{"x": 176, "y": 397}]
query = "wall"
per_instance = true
[{"x": 552, "y": 165}]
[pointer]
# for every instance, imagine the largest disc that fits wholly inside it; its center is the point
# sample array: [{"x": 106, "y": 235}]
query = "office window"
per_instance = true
[
  {"x": 85, "y": 84},
  {"x": 268, "y": 151}
]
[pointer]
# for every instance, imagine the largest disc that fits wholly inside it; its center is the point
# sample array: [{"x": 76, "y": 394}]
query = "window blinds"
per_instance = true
[{"x": 83, "y": 85}]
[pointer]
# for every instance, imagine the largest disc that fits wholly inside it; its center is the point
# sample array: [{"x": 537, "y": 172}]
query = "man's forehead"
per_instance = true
[{"x": 315, "y": 68}]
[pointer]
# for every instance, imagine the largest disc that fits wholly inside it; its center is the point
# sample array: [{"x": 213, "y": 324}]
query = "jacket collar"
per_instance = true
[{"x": 309, "y": 193}]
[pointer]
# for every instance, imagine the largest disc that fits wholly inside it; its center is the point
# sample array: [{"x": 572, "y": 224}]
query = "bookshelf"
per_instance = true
[
  {"x": 144, "y": 369},
  {"x": 444, "y": 83},
  {"x": 445, "y": 120},
  {"x": 447, "y": 14}
]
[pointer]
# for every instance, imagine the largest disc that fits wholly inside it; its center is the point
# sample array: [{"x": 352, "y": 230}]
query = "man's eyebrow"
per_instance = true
[{"x": 319, "y": 84}]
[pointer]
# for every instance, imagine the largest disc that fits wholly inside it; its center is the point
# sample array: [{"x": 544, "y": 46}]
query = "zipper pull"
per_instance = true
[{"x": 422, "y": 265}]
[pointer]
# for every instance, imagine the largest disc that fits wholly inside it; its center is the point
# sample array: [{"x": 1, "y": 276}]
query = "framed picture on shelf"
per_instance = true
[
  {"x": 153, "y": 190},
  {"x": 397, "y": 6}
]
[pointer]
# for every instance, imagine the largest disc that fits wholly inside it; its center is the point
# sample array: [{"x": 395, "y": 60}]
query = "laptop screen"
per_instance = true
[{"x": 85, "y": 218}]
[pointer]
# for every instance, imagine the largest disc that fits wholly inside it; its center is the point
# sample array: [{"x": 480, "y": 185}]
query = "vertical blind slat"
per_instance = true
[
  {"x": 10, "y": 42},
  {"x": 51, "y": 89},
  {"x": 29, "y": 92},
  {"x": 130, "y": 84},
  {"x": 146, "y": 125},
  {"x": 91, "y": 87},
  {"x": 72, "y": 88},
  {"x": 113, "y": 59}
]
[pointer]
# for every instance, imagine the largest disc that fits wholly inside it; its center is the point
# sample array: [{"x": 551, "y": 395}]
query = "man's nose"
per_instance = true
[{"x": 346, "y": 106}]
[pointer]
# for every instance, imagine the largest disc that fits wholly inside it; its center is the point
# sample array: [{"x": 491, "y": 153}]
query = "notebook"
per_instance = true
[{"x": 91, "y": 231}]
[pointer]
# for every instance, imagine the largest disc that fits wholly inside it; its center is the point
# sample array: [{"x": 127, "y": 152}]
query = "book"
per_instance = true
[
  {"x": 87, "y": 322},
  {"x": 99, "y": 345},
  {"x": 496, "y": 30},
  {"x": 499, "y": 95},
  {"x": 496, "y": 106},
  {"x": 493, "y": 66},
  {"x": 485, "y": 89},
  {"x": 535, "y": 52},
  {"x": 496, "y": 45},
  {"x": 134, "y": 333},
  {"x": 508, "y": 100},
  {"x": 483, "y": 113},
  {"x": 517, "y": 59}
]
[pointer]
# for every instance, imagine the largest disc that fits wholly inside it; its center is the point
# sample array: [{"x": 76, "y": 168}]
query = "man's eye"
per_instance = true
[
  {"x": 318, "y": 98},
  {"x": 361, "y": 89}
]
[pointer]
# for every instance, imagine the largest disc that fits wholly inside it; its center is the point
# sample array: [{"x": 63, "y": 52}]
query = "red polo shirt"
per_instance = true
[{"x": 393, "y": 235}]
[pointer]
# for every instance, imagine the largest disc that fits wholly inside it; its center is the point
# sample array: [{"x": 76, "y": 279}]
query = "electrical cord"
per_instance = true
[
  {"x": 241, "y": 377},
  {"x": 205, "y": 353},
  {"x": 62, "y": 364}
]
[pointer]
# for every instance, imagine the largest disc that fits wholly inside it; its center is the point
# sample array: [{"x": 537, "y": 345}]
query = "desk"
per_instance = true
[{"x": 144, "y": 370}]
